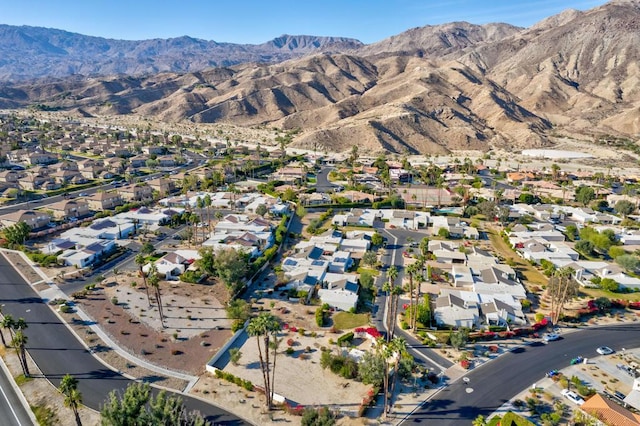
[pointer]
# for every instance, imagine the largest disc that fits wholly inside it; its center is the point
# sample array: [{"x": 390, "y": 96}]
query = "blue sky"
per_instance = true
[{"x": 257, "y": 21}]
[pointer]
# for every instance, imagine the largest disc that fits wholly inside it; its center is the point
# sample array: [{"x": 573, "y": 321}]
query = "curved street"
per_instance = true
[
  {"x": 498, "y": 381},
  {"x": 57, "y": 351}
]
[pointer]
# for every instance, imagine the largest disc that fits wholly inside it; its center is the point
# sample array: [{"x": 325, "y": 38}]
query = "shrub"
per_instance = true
[
  {"x": 289, "y": 351},
  {"x": 345, "y": 338},
  {"x": 65, "y": 309},
  {"x": 114, "y": 300}
]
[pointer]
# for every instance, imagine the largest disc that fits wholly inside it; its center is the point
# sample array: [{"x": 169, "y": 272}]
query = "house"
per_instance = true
[
  {"x": 608, "y": 412},
  {"x": 87, "y": 255},
  {"x": 67, "y": 209},
  {"x": 162, "y": 185},
  {"x": 341, "y": 293},
  {"x": 426, "y": 196},
  {"x": 9, "y": 176},
  {"x": 503, "y": 314},
  {"x": 291, "y": 175},
  {"x": 136, "y": 192},
  {"x": 454, "y": 311},
  {"x": 100, "y": 201},
  {"x": 36, "y": 219},
  {"x": 171, "y": 266}
]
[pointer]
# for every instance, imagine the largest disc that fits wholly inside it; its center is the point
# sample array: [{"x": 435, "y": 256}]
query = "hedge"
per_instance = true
[{"x": 345, "y": 338}]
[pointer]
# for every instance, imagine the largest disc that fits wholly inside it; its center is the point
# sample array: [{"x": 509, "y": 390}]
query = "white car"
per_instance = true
[
  {"x": 605, "y": 350},
  {"x": 572, "y": 396},
  {"x": 550, "y": 337}
]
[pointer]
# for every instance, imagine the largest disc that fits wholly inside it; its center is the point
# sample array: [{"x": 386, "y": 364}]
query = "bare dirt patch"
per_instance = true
[{"x": 189, "y": 339}]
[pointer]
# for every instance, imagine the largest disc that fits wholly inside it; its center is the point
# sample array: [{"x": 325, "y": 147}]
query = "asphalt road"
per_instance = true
[
  {"x": 496, "y": 382},
  {"x": 12, "y": 412},
  {"x": 397, "y": 242},
  {"x": 322, "y": 181},
  {"x": 57, "y": 352}
]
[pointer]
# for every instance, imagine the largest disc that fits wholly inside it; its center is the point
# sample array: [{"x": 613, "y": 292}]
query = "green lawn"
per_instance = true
[
  {"x": 530, "y": 273},
  {"x": 347, "y": 320},
  {"x": 596, "y": 292},
  {"x": 372, "y": 272}
]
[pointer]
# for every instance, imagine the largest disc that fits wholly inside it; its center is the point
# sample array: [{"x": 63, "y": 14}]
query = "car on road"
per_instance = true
[
  {"x": 550, "y": 337},
  {"x": 83, "y": 194},
  {"x": 572, "y": 396},
  {"x": 605, "y": 350}
]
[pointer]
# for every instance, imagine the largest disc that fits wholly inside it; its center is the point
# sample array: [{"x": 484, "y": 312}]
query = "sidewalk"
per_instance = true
[{"x": 54, "y": 292}]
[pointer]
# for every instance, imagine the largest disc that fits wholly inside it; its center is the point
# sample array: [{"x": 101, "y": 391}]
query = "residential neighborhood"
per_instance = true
[{"x": 454, "y": 261}]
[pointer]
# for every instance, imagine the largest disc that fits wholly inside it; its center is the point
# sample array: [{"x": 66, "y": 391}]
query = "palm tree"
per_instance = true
[
  {"x": 399, "y": 347},
  {"x": 141, "y": 261},
  {"x": 19, "y": 342},
  {"x": 154, "y": 281},
  {"x": 207, "y": 204},
  {"x": 385, "y": 351},
  {"x": 392, "y": 274},
  {"x": 72, "y": 396},
  {"x": 263, "y": 327},
  {"x": 8, "y": 323},
  {"x": 411, "y": 271},
  {"x": 20, "y": 324}
]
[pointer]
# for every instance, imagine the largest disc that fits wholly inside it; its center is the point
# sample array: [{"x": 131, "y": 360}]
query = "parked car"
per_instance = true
[
  {"x": 550, "y": 337},
  {"x": 553, "y": 373},
  {"x": 83, "y": 194},
  {"x": 572, "y": 396},
  {"x": 605, "y": 350},
  {"x": 630, "y": 371},
  {"x": 577, "y": 360}
]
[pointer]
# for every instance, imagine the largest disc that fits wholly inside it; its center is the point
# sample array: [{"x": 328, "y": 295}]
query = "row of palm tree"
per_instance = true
[
  {"x": 265, "y": 328},
  {"x": 151, "y": 278},
  {"x": 18, "y": 339}
]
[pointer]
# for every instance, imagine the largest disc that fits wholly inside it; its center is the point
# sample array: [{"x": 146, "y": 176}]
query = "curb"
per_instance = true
[{"x": 18, "y": 392}]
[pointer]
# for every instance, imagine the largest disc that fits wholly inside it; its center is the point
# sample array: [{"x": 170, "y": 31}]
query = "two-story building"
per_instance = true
[
  {"x": 101, "y": 201},
  {"x": 34, "y": 218},
  {"x": 67, "y": 209}
]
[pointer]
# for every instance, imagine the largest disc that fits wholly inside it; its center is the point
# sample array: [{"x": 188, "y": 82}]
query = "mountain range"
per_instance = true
[{"x": 427, "y": 90}]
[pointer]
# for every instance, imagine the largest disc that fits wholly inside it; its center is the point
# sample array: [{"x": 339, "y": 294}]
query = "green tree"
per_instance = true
[
  {"x": 609, "y": 284},
  {"x": 479, "y": 421},
  {"x": 231, "y": 267},
  {"x": 317, "y": 417},
  {"x": 585, "y": 247},
  {"x": 444, "y": 233},
  {"x": 234, "y": 355},
  {"x": 628, "y": 262},
  {"x": 459, "y": 338},
  {"x": 371, "y": 369},
  {"x": 261, "y": 210},
  {"x": 17, "y": 234},
  {"x": 571, "y": 232},
  {"x": 239, "y": 309},
  {"x": 72, "y": 397},
  {"x": 370, "y": 258},
  {"x": 137, "y": 407},
  {"x": 585, "y": 194},
  {"x": 265, "y": 327},
  {"x": 207, "y": 260},
  {"x": 377, "y": 239},
  {"x": 615, "y": 251},
  {"x": 366, "y": 280},
  {"x": 624, "y": 207}
]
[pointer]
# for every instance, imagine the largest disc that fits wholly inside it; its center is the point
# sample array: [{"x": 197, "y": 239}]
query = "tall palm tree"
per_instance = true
[
  {"x": 141, "y": 261},
  {"x": 207, "y": 204},
  {"x": 399, "y": 348},
  {"x": 154, "y": 281},
  {"x": 411, "y": 271},
  {"x": 72, "y": 396},
  {"x": 263, "y": 328},
  {"x": 386, "y": 352},
  {"x": 7, "y": 323},
  {"x": 20, "y": 325},
  {"x": 392, "y": 274},
  {"x": 19, "y": 342}
]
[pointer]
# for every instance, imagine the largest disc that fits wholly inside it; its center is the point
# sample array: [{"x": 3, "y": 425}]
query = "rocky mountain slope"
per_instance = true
[
  {"x": 429, "y": 90},
  {"x": 35, "y": 52}
]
